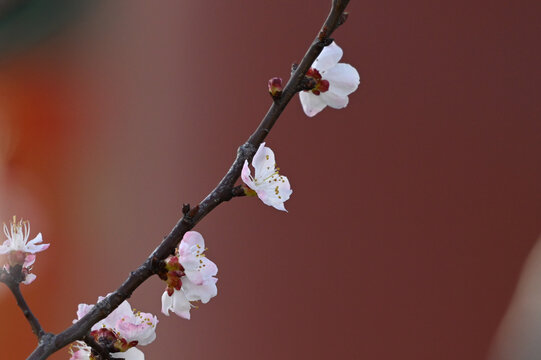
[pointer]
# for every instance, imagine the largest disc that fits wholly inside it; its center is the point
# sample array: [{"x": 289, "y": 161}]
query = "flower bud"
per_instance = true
[{"x": 275, "y": 87}]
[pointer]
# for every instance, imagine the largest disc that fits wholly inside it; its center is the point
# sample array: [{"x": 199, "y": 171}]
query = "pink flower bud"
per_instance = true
[{"x": 275, "y": 87}]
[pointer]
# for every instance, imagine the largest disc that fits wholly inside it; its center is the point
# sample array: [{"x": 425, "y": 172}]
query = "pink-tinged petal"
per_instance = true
[
  {"x": 334, "y": 100},
  {"x": 83, "y": 353},
  {"x": 29, "y": 278},
  {"x": 29, "y": 260},
  {"x": 311, "y": 103},
  {"x": 132, "y": 353},
  {"x": 329, "y": 57},
  {"x": 32, "y": 246},
  {"x": 263, "y": 163},
  {"x": 203, "y": 292},
  {"x": 245, "y": 175},
  {"x": 190, "y": 250},
  {"x": 124, "y": 310},
  {"x": 206, "y": 269},
  {"x": 193, "y": 238},
  {"x": 143, "y": 333},
  {"x": 138, "y": 326},
  {"x": 343, "y": 79},
  {"x": 82, "y": 310}
]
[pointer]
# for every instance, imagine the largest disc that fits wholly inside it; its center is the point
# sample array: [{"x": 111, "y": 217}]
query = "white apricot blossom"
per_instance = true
[
  {"x": 124, "y": 328},
  {"x": 271, "y": 187},
  {"x": 17, "y": 238},
  {"x": 190, "y": 277},
  {"x": 334, "y": 82},
  {"x": 17, "y": 250}
]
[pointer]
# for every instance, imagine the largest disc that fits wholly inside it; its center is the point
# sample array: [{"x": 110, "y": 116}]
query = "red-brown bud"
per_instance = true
[{"x": 275, "y": 87}]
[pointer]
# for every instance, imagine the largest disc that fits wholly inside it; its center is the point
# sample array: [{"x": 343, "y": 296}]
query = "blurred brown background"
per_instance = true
[{"x": 413, "y": 209}]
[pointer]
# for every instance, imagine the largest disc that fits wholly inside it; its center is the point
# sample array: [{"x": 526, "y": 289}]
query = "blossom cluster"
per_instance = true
[
  {"x": 189, "y": 277},
  {"x": 118, "y": 333}
]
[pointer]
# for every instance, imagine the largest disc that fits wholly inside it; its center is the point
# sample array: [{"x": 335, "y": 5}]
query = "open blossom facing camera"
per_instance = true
[
  {"x": 189, "y": 277},
  {"x": 271, "y": 187},
  {"x": 120, "y": 332},
  {"x": 17, "y": 250},
  {"x": 333, "y": 82}
]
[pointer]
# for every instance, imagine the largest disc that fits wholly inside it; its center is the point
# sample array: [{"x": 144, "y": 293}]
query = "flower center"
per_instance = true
[
  {"x": 321, "y": 85},
  {"x": 268, "y": 178}
]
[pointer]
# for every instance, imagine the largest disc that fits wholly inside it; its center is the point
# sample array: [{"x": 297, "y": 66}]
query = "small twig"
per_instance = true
[
  {"x": 13, "y": 286},
  {"x": 224, "y": 191},
  {"x": 90, "y": 341}
]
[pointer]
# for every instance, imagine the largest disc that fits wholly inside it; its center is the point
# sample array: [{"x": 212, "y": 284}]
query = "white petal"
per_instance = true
[
  {"x": 246, "y": 175},
  {"x": 82, "y": 353},
  {"x": 124, "y": 310},
  {"x": 167, "y": 303},
  {"x": 334, "y": 100},
  {"x": 5, "y": 247},
  {"x": 343, "y": 79},
  {"x": 206, "y": 269},
  {"x": 132, "y": 354},
  {"x": 32, "y": 246},
  {"x": 190, "y": 249},
  {"x": 29, "y": 260},
  {"x": 275, "y": 192},
  {"x": 83, "y": 309},
  {"x": 193, "y": 238},
  {"x": 329, "y": 57},
  {"x": 203, "y": 292},
  {"x": 178, "y": 303},
  {"x": 140, "y": 327},
  {"x": 263, "y": 163},
  {"x": 311, "y": 103},
  {"x": 29, "y": 278}
]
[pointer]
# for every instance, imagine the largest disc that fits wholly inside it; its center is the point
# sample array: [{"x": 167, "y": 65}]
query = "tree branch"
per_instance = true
[
  {"x": 222, "y": 192},
  {"x": 13, "y": 286}
]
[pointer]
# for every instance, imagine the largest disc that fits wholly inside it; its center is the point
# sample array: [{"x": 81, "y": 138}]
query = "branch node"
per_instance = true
[
  {"x": 157, "y": 265},
  {"x": 322, "y": 35},
  {"x": 185, "y": 209},
  {"x": 343, "y": 18},
  {"x": 294, "y": 67},
  {"x": 246, "y": 150},
  {"x": 327, "y": 41}
]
